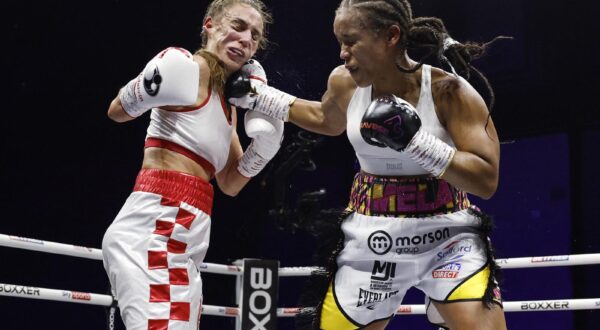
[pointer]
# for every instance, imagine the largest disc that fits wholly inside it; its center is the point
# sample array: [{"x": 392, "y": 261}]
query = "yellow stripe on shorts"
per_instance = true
[
  {"x": 473, "y": 288},
  {"x": 332, "y": 317}
]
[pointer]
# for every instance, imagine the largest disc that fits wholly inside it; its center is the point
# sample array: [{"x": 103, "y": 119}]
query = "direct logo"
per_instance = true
[
  {"x": 380, "y": 242},
  {"x": 152, "y": 80},
  {"x": 450, "y": 270}
]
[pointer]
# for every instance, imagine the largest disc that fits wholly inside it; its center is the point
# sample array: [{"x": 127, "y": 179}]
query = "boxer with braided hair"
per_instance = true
[
  {"x": 424, "y": 140},
  {"x": 154, "y": 247}
]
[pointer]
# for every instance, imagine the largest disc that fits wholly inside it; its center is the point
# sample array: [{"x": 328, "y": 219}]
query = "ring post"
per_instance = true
[{"x": 260, "y": 289}]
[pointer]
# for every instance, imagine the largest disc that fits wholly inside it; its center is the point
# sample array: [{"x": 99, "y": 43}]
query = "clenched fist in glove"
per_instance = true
[
  {"x": 392, "y": 122},
  {"x": 248, "y": 89},
  {"x": 266, "y": 134}
]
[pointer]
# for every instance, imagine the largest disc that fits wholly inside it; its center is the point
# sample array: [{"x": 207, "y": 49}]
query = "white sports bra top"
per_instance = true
[
  {"x": 386, "y": 161},
  {"x": 202, "y": 134}
]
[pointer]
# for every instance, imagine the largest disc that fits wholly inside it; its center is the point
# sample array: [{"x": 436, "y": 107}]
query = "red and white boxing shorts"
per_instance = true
[{"x": 154, "y": 247}]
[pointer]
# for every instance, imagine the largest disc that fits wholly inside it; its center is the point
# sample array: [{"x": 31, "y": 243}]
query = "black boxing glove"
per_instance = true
[
  {"x": 237, "y": 85},
  {"x": 389, "y": 122},
  {"x": 392, "y": 122},
  {"x": 262, "y": 97}
]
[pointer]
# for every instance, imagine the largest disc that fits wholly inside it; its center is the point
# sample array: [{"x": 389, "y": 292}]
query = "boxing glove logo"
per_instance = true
[{"x": 152, "y": 80}]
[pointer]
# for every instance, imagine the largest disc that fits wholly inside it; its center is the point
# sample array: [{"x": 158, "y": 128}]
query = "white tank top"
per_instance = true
[
  {"x": 386, "y": 161},
  {"x": 204, "y": 131}
]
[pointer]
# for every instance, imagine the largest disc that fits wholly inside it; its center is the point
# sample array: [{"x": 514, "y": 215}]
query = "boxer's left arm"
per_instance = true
[
  {"x": 266, "y": 134},
  {"x": 475, "y": 166},
  {"x": 229, "y": 180},
  {"x": 171, "y": 78}
]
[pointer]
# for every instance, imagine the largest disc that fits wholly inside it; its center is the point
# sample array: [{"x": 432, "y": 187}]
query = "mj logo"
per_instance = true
[{"x": 383, "y": 271}]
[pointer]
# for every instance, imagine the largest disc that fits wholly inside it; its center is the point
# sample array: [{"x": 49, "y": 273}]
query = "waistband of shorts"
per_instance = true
[
  {"x": 177, "y": 186},
  {"x": 400, "y": 197}
]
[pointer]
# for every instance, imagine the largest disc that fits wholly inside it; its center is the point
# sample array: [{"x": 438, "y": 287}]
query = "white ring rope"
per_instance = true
[
  {"x": 31, "y": 292},
  {"x": 91, "y": 253},
  {"x": 107, "y": 300}
]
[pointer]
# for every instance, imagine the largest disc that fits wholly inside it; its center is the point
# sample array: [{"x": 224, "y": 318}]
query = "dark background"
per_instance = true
[{"x": 67, "y": 169}]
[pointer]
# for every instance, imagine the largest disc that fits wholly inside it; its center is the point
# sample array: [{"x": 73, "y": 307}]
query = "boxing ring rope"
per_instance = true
[
  {"x": 30, "y": 292},
  {"x": 96, "y": 254}
]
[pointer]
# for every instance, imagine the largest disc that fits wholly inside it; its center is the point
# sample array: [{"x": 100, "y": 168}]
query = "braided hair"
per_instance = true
[{"x": 423, "y": 33}]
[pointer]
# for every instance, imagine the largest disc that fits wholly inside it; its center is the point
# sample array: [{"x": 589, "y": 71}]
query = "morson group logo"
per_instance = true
[{"x": 380, "y": 242}]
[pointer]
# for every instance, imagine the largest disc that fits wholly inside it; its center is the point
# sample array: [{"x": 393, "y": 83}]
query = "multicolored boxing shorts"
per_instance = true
[{"x": 444, "y": 254}]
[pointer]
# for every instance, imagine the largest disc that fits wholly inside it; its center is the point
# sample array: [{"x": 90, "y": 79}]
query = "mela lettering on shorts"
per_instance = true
[{"x": 409, "y": 198}]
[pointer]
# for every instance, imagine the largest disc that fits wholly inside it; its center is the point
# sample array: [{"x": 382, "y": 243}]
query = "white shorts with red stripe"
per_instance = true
[{"x": 153, "y": 249}]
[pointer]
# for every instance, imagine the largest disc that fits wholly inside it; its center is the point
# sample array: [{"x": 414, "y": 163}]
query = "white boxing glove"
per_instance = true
[
  {"x": 263, "y": 98},
  {"x": 256, "y": 124},
  {"x": 171, "y": 78},
  {"x": 255, "y": 72},
  {"x": 267, "y": 134}
]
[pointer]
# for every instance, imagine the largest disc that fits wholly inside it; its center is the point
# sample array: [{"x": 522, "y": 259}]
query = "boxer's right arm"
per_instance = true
[
  {"x": 327, "y": 117},
  {"x": 171, "y": 78}
]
